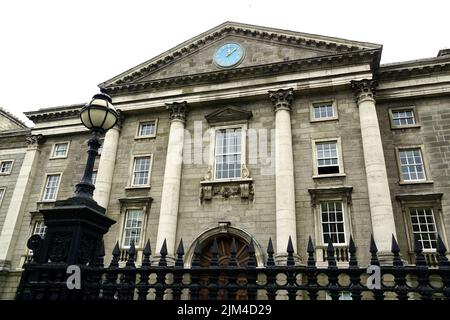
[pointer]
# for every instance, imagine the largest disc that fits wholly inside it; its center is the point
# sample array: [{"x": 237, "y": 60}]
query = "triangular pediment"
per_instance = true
[
  {"x": 228, "y": 114},
  {"x": 261, "y": 45}
]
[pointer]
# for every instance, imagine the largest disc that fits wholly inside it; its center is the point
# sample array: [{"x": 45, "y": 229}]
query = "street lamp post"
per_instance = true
[
  {"x": 98, "y": 116},
  {"x": 75, "y": 226}
]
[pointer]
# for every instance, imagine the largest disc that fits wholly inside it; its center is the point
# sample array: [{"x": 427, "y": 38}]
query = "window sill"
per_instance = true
[
  {"x": 138, "y": 187},
  {"x": 415, "y": 182},
  {"x": 56, "y": 158},
  {"x": 144, "y": 137},
  {"x": 333, "y": 175},
  {"x": 405, "y": 127},
  {"x": 5, "y": 173},
  {"x": 324, "y": 119},
  {"x": 46, "y": 201}
]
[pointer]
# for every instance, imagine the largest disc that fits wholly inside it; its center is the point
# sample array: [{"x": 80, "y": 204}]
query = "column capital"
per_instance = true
[
  {"x": 282, "y": 99},
  {"x": 177, "y": 111},
  {"x": 34, "y": 140},
  {"x": 364, "y": 89}
]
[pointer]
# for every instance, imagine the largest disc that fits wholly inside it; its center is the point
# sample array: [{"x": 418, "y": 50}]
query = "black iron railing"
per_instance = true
[{"x": 158, "y": 280}]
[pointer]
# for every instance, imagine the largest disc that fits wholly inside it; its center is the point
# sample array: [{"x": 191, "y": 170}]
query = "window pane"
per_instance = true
[
  {"x": 51, "y": 187},
  {"x": 6, "y": 166},
  {"x": 40, "y": 228},
  {"x": 323, "y": 110},
  {"x": 403, "y": 117},
  {"x": 133, "y": 227},
  {"x": 147, "y": 129},
  {"x": 424, "y": 227},
  {"x": 141, "y": 171},
  {"x": 228, "y": 153},
  {"x": 327, "y": 157},
  {"x": 60, "y": 149},
  {"x": 332, "y": 222},
  {"x": 412, "y": 165}
]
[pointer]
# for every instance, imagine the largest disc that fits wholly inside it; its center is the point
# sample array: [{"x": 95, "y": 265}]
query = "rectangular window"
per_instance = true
[
  {"x": 228, "y": 153},
  {"x": 40, "y": 228},
  {"x": 51, "y": 187},
  {"x": 323, "y": 110},
  {"x": 60, "y": 150},
  {"x": 403, "y": 117},
  {"x": 332, "y": 219},
  {"x": 102, "y": 141},
  {"x": 94, "y": 177},
  {"x": 147, "y": 129},
  {"x": 411, "y": 164},
  {"x": 6, "y": 166},
  {"x": 141, "y": 171},
  {"x": 133, "y": 227},
  {"x": 2, "y": 194},
  {"x": 424, "y": 227},
  {"x": 327, "y": 157}
]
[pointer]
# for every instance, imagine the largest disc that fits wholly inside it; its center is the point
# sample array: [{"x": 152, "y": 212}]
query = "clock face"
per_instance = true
[{"x": 229, "y": 55}]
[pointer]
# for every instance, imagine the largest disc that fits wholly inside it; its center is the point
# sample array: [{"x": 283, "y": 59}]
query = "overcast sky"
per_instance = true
[{"x": 56, "y": 52}]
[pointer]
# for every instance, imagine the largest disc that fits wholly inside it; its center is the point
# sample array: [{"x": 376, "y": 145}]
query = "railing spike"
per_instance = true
[
  {"x": 131, "y": 255},
  {"x": 163, "y": 253},
  {"x": 353, "y": 261},
  {"x": 310, "y": 249},
  {"x": 251, "y": 262},
  {"x": 214, "y": 254},
  {"x": 418, "y": 251},
  {"x": 290, "y": 251},
  {"x": 330, "y": 254},
  {"x": 232, "y": 262},
  {"x": 147, "y": 253},
  {"x": 116, "y": 256},
  {"x": 197, "y": 253},
  {"x": 442, "y": 251},
  {"x": 180, "y": 253},
  {"x": 270, "y": 252},
  {"x": 373, "y": 251},
  {"x": 397, "y": 261}
]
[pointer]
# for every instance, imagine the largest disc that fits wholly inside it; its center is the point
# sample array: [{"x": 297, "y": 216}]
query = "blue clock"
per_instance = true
[{"x": 229, "y": 55}]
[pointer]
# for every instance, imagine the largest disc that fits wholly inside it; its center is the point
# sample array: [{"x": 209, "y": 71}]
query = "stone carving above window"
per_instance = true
[{"x": 242, "y": 188}]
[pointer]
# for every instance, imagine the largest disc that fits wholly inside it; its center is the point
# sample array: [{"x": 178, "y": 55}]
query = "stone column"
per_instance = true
[
  {"x": 286, "y": 224},
  {"x": 106, "y": 167},
  {"x": 382, "y": 216},
  {"x": 19, "y": 200},
  {"x": 170, "y": 196}
]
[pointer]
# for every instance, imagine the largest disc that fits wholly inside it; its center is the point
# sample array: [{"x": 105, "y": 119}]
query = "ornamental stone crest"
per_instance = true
[
  {"x": 282, "y": 99},
  {"x": 177, "y": 110},
  {"x": 34, "y": 140},
  {"x": 364, "y": 89}
]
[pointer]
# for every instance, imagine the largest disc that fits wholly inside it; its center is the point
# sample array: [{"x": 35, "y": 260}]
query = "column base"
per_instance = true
[
  {"x": 5, "y": 265},
  {"x": 281, "y": 259},
  {"x": 169, "y": 258},
  {"x": 386, "y": 258}
]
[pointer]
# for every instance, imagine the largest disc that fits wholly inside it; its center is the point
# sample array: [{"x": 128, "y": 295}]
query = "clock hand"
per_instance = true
[{"x": 231, "y": 52}]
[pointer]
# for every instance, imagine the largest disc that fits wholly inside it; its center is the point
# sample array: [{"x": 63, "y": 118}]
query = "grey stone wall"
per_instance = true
[{"x": 434, "y": 135}]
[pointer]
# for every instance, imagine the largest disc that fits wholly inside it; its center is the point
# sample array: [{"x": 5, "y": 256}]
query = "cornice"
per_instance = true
[
  {"x": 371, "y": 56},
  {"x": 233, "y": 28},
  {"x": 414, "y": 68},
  {"x": 54, "y": 113}
]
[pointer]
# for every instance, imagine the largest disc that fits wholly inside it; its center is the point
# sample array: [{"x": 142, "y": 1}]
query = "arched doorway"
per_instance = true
[{"x": 224, "y": 243}]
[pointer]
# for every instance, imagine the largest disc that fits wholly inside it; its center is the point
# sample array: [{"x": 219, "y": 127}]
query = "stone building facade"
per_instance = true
[{"x": 250, "y": 132}]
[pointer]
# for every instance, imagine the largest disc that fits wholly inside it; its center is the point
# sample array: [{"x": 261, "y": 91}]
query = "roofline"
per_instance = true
[
  {"x": 13, "y": 118},
  {"x": 308, "y": 36}
]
